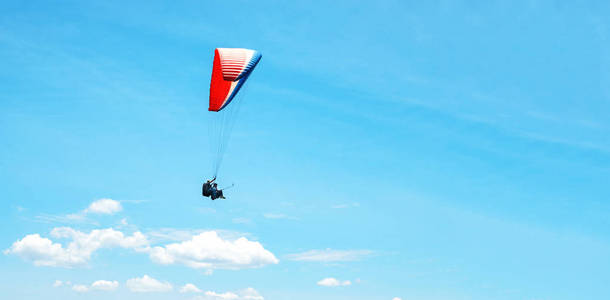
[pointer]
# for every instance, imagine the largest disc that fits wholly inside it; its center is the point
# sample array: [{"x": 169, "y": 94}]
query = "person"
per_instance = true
[
  {"x": 206, "y": 189},
  {"x": 210, "y": 189},
  {"x": 216, "y": 193}
]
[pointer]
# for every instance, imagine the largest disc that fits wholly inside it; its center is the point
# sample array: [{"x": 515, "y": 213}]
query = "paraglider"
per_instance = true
[{"x": 232, "y": 67}]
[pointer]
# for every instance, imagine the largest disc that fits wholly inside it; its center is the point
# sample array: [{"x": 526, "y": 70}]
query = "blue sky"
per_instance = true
[{"x": 441, "y": 151}]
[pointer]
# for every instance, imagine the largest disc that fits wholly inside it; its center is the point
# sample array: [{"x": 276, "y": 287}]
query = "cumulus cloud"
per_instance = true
[
  {"x": 105, "y": 285},
  {"x": 147, "y": 284},
  {"x": 207, "y": 250},
  {"x": 189, "y": 288},
  {"x": 332, "y": 282},
  {"x": 396, "y": 298},
  {"x": 246, "y": 294},
  {"x": 43, "y": 252},
  {"x": 104, "y": 206},
  {"x": 329, "y": 255},
  {"x": 57, "y": 283}
]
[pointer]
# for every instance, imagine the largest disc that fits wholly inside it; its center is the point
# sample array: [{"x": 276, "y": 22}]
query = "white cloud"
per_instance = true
[
  {"x": 241, "y": 220},
  {"x": 329, "y": 255},
  {"x": 57, "y": 283},
  {"x": 44, "y": 252},
  {"x": 331, "y": 282},
  {"x": 189, "y": 288},
  {"x": 250, "y": 294},
  {"x": 100, "y": 285},
  {"x": 214, "y": 295},
  {"x": 346, "y": 205},
  {"x": 104, "y": 206},
  {"x": 206, "y": 250},
  {"x": 80, "y": 288},
  {"x": 172, "y": 235},
  {"x": 278, "y": 216},
  {"x": 69, "y": 218},
  {"x": 209, "y": 251},
  {"x": 105, "y": 285},
  {"x": 146, "y": 284},
  {"x": 396, "y": 298},
  {"x": 246, "y": 294}
]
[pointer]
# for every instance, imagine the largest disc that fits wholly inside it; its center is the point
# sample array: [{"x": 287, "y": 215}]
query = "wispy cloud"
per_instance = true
[
  {"x": 330, "y": 255},
  {"x": 241, "y": 220},
  {"x": 346, "y": 205},
  {"x": 245, "y": 294},
  {"x": 104, "y": 206},
  {"x": 278, "y": 216},
  {"x": 166, "y": 234},
  {"x": 65, "y": 219},
  {"x": 172, "y": 234},
  {"x": 81, "y": 288}
]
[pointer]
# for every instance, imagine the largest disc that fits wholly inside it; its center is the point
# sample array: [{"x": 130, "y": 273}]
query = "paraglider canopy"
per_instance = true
[{"x": 232, "y": 66}]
